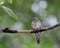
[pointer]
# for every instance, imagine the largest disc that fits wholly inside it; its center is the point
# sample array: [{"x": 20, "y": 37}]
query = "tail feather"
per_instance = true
[{"x": 38, "y": 37}]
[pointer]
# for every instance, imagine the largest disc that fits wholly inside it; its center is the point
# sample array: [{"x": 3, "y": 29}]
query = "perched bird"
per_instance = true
[{"x": 36, "y": 25}]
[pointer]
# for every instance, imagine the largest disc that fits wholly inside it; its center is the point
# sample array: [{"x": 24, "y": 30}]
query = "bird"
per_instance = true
[{"x": 36, "y": 25}]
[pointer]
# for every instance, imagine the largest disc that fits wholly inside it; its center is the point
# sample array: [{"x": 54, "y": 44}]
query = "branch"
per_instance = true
[{"x": 7, "y": 30}]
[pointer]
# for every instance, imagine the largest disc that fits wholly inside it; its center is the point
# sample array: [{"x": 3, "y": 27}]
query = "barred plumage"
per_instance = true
[{"x": 36, "y": 25}]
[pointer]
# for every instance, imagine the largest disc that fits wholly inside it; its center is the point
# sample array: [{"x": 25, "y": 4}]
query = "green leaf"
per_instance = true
[
  {"x": 10, "y": 12},
  {"x": 1, "y": 2},
  {"x": 10, "y": 1}
]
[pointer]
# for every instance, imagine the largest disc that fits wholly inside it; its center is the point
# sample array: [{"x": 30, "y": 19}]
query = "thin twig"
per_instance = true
[{"x": 6, "y": 30}]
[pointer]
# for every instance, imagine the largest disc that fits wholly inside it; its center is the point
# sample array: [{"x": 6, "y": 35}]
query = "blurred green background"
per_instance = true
[{"x": 18, "y": 14}]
